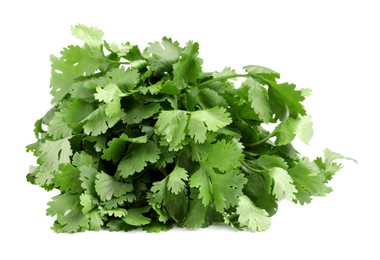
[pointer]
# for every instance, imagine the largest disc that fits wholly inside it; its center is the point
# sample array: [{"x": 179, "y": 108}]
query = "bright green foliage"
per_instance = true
[
  {"x": 90, "y": 35},
  {"x": 258, "y": 97},
  {"x": 98, "y": 122},
  {"x": 54, "y": 153},
  {"x": 147, "y": 139},
  {"x": 110, "y": 95},
  {"x": 250, "y": 216},
  {"x": 171, "y": 126},
  {"x": 177, "y": 178},
  {"x": 308, "y": 180},
  {"x": 223, "y": 189},
  {"x": 137, "y": 157},
  {"x": 223, "y": 155},
  {"x": 209, "y": 119},
  {"x": 283, "y": 184},
  {"x": 188, "y": 69},
  {"x": 58, "y": 128},
  {"x": 134, "y": 217},
  {"x": 290, "y": 128},
  {"x": 107, "y": 187}
]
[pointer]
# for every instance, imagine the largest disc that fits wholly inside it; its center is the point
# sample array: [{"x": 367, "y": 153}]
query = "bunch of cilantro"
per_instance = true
[{"x": 146, "y": 139}]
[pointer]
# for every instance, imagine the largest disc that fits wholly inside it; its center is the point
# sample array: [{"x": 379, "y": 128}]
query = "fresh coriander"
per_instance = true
[{"x": 147, "y": 139}]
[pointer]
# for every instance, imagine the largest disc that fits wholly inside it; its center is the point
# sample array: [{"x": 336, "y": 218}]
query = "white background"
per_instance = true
[{"x": 332, "y": 47}]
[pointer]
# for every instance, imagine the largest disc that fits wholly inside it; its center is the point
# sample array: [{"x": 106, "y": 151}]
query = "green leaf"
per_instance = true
[
  {"x": 328, "y": 168},
  {"x": 304, "y": 129},
  {"x": 98, "y": 122},
  {"x": 119, "y": 201},
  {"x": 44, "y": 175},
  {"x": 250, "y": 216},
  {"x": 308, "y": 181},
  {"x": 87, "y": 202},
  {"x": 222, "y": 189},
  {"x": 62, "y": 79},
  {"x": 84, "y": 60},
  {"x": 163, "y": 55},
  {"x": 155, "y": 227},
  {"x": 286, "y": 131},
  {"x": 53, "y": 153},
  {"x": 68, "y": 211},
  {"x": 174, "y": 205},
  {"x": 67, "y": 178},
  {"x": 260, "y": 71},
  {"x": 152, "y": 89},
  {"x": 138, "y": 111},
  {"x": 203, "y": 120},
  {"x": 95, "y": 220},
  {"x": 83, "y": 159},
  {"x": 285, "y": 96},
  {"x": 224, "y": 155},
  {"x": 137, "y": 158},
  {"x": 227, "y": 71},
  {"x": 58, "y": 128},
  {"x": 135, "y": 216},
  {"x": 260, "y": 193},
  {"x": 258, "y": 97},
  {"x": 77, "y": 111},
  {"x": 196, "y": 215},
  {"x": 119, "y": 225},
  {"x": 100, "y": 142},
  {"x": 117, "y": 147},
  {"x": 331, "y": 156},
  {"x": 201, "y": 180},
  {"x": 90, "y": 35},
  {"x": 209, "y": 98},
  {"x": 269, "y": 161},
  {"x": 118, "y": 213},
  {"x": 176, "y": 181},
  {"x": 87, "y": 176},
  {"x": 171, "y": 126},
  {"x": 226, "y": 189},
  {"x": 107, "y": 187},
  {"x": 111, "y": 96},
  {"x": 283, "y": 184},
  {"x": 168, "y": 87},
  {"x": 125, "y": 79},
  {"x": 121, "y": 50},
  {"x": 189, "y": 67}
]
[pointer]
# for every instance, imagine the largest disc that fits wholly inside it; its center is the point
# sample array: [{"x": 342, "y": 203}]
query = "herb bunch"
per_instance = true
[{"x": 147, "y": 139}]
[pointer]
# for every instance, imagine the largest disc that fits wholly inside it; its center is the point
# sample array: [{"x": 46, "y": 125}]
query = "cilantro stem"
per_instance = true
[
  {"x": 117, "y": 62},
  {"x": 274, "y": 131},
  {"x": 263, "y": 140},
  {"x": 222, "y": 78},
  {"x": 247, "y": 168}
]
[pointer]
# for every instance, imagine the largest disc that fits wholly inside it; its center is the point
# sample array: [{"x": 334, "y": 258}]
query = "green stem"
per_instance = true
[
  {"x": 263, "y": 140},
  {"x": 247, "y": 168},
  {"x": 118, "y": 62},
  {"x": 222, "y": 78},
  {"x": 274, "y": 131},
  {"x": 124, "y": 95}
]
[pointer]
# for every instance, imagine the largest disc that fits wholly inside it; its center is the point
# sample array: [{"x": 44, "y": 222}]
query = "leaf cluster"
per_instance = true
[{"x": 147, "y": 139}]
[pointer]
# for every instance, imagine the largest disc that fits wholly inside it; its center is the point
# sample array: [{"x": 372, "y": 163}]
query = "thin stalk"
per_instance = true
[
  {"x": 263, "y": 140},
  {"x": 118, "y": 62},
  {"x": 247, "y": 168},
  {"x": 223, "y": 78}
]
